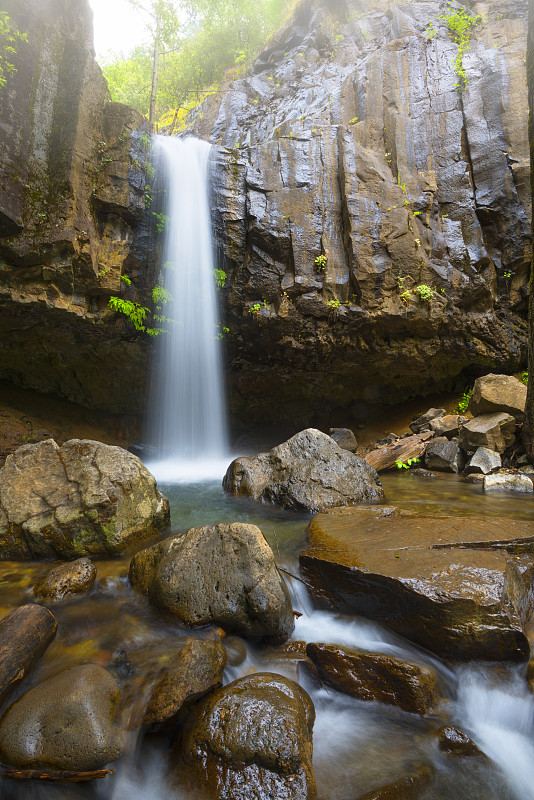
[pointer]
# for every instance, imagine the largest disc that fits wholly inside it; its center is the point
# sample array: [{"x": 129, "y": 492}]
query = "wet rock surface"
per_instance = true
[
  {"x": 329, "y": 147},
  {"x": 455, "y": 742},
  {"x": 78, "y": 499},
  {"x": 250, "y": 739},
  {"x": 437, "y": 580},
  {"x": 217, "y": 574},
  {"x": 309, "y": 472},
  {"x": 64, "y": 723},
  {"x": 373, "y": 677},
  {"x": 25, "y": 633},
  {"x": 194, "y": 672},
  {"x": 411, "y": 787},
  {"x": 76, "y": 577}
]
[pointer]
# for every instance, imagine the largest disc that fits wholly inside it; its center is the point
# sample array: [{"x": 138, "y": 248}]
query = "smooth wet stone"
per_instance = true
[
  {"x": 410, "y": 787},
  {"x": 504, "y": 482},
  {"x": 250, "y": 739},
  {"x": 195, "y": 671},
  {"x": 495, "y": 431},
  {"x": 455, "y": 742},
  {"x": 498, "y": 393},
  {"x": 75, "y": 577},
  {"x": 483, "y": 462},
  {"x": 375, "y": 677},
  {"x": 218, "y": 574},
  {"x": 64, "y": 723},
  {"x": 83, "y": 498},
  {"x": 309, "y": 472},
  {"x": 437, "y": 580}
]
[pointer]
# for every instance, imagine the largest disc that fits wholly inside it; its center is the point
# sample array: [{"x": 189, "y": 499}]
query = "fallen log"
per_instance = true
[
  {"x": 54, "y": 776},
  {"x": 403, "y": 449},
  {"x": 25, "y": 633}
]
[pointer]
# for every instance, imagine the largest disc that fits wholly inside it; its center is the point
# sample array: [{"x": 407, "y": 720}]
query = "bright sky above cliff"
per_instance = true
[{"x": 117, "y": 26}]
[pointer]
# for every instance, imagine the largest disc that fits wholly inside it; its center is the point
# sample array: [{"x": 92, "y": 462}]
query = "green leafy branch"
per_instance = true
[{"x": 460, "y": 24}]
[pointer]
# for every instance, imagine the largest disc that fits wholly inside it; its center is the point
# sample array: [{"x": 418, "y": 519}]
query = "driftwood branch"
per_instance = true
[
  {"x": 401, "y": 450},
  {"x": 54, "y": 776}
]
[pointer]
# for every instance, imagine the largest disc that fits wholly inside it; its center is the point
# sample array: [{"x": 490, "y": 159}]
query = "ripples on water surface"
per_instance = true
[{"x": 357, "y": 746}]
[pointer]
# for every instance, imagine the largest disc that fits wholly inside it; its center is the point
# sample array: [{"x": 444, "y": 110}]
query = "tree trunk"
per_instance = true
[
  {"x": 528, "y": 425},
  {"x": 155, "y": 72},
  {"x": 402, "y": 450},
  {"x": 25, "y": 633}
]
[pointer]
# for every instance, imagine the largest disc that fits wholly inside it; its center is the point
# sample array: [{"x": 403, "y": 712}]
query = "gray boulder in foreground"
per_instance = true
[
  {"x": 309, "y": 472},
  {"x": 218, "y": 574},
  {"x": 83, "y": 498}
]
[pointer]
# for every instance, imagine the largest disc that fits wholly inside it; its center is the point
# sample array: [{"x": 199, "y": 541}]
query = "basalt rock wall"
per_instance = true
[
  {"x": 349, "y": 138},
  {"x": 72, "y": 216}
]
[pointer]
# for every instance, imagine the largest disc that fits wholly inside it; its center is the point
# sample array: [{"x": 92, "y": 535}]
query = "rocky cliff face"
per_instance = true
[
  {"x": 72, "y": 216},
  {"x": 528, "y": 428},
  {"x": 350, "y": 139}
]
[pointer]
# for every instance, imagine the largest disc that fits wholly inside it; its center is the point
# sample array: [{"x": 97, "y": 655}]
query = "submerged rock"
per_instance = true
[
  {"x": 64, "y": 723},
  {"x": 493, "y": 393},
  {"x": 411, "y": 787},
  {"x": 439, "y": 581},
  {"x": 195, "y": 671},
  {"x": 504, "y": 482},
  {"x": 218, "y": 574},
  {"x": 309, "y": 472},
  {"x": 374, "y": 677},
  {"x": 250, "y": 739},
  {"x": 83, "y": 498},
  {"x": 76, "y": 577}
]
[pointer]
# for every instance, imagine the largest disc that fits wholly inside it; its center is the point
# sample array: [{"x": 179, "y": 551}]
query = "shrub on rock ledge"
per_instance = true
[{"x": 83, "y": 498}]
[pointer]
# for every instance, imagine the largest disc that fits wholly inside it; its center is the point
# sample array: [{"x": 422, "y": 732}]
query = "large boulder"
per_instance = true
[
  {"x": 64, "y": 723},
  {"x": 195, "y": 671},
  {"x": 65, "y": 580},
  {"x": 250, "y": 739},
  {"x": 495, "y": 431},
  {"x": 219, "y": 574},
  {"x": 504, "y": 482},
  {"x": 439, "y": 581},
  {"x": 309, "y": 472},
  {"x": 376, "y": 677},
  {"x": 498, "y": 393},
  {"x": 83, "y": 498}
]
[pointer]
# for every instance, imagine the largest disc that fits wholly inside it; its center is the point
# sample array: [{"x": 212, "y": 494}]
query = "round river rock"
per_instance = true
[{"x": 219, "y": 574}]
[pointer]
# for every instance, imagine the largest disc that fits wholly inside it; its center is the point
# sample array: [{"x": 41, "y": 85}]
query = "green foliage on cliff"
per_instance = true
[
  {"x": 9, "y": 38},
  {"x": 461, "y": 24},
  {"x": 212, "y": 37}
]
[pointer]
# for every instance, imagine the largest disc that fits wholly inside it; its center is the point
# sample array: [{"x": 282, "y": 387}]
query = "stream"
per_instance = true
[{"x": 358, "y": 746}]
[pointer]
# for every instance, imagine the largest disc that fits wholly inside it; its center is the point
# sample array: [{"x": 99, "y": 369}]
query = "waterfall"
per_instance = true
[{"x": 187, "y": 415}]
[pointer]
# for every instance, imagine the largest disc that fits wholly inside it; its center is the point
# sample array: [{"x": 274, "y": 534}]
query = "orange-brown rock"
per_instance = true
[
  {"x": 439, "y": 581},
  {"x": 195, "y": 671},
  {"x": 25, "y": 633},
  {"x": 411, "y": 787},
  {"x": 375, "y": 677},
  {"x": 75, "y": 577},
  {"x": 455, "y": 742}
]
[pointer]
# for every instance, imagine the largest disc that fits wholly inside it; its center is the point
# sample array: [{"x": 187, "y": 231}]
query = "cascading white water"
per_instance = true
[{"x": 187, "y": 416}]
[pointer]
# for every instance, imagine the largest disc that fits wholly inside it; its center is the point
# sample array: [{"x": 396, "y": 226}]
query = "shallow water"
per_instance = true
[{"x": 357, "y": 746}]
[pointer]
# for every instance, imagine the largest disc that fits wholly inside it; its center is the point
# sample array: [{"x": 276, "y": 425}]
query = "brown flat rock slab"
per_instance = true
[{"x": 438, "y": 580}]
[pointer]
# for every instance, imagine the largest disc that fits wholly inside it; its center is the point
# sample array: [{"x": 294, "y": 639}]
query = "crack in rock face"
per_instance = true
[{"x": 83, "y": 498}]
